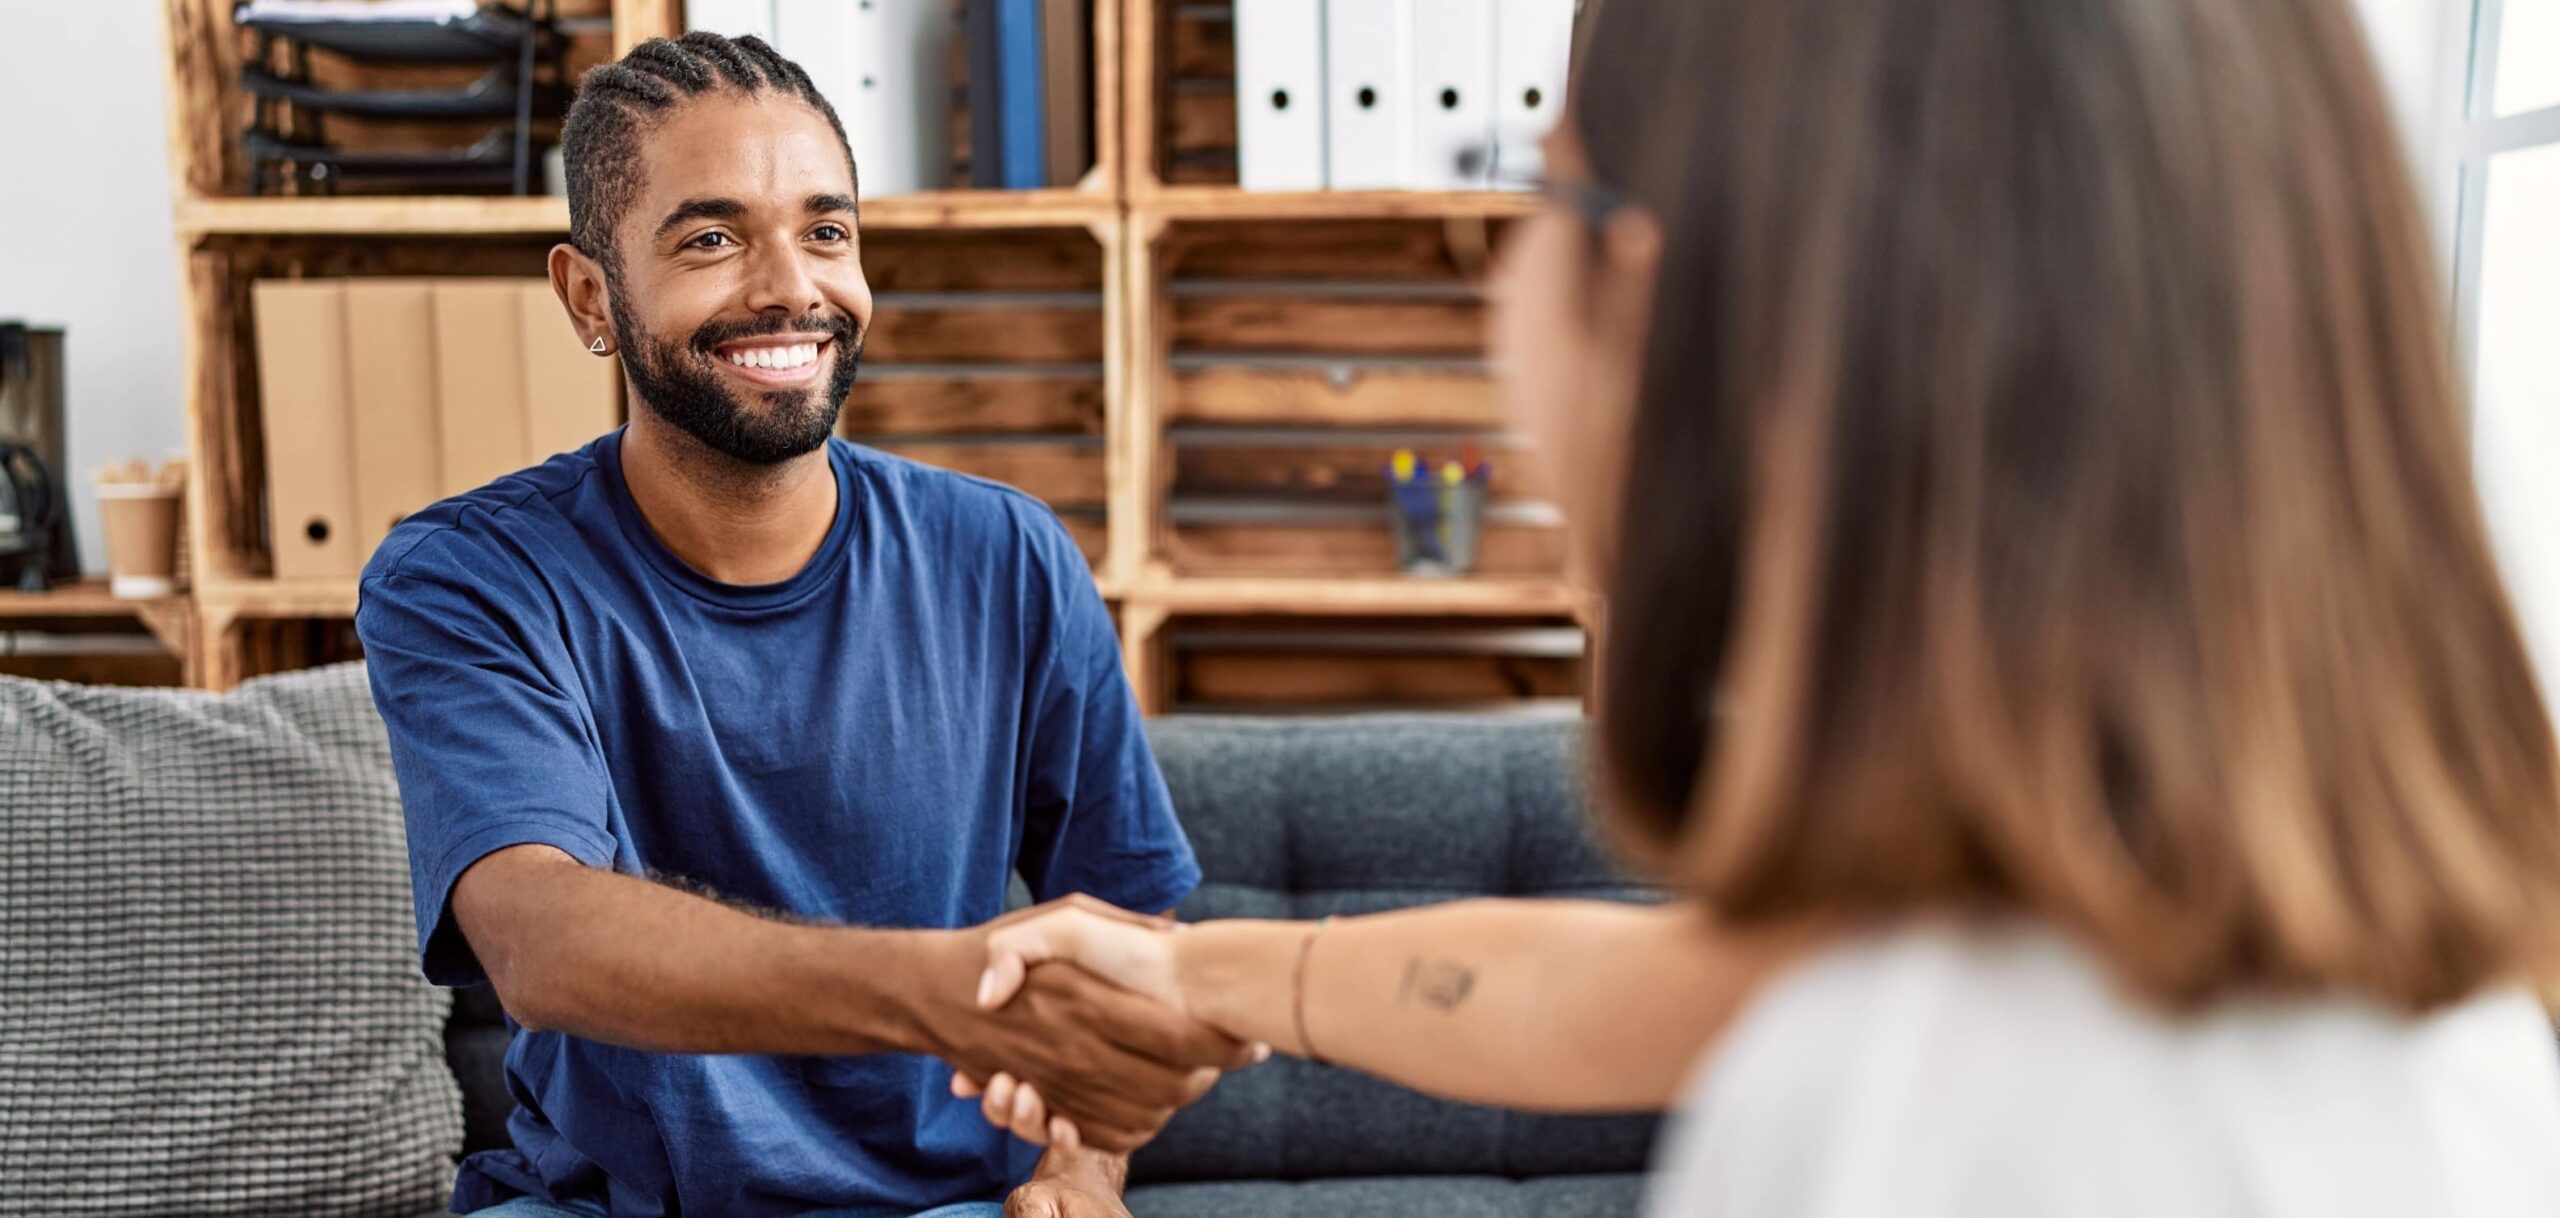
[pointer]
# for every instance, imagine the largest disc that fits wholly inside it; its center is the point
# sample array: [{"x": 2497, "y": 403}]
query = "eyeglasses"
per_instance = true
[{"x": 1471, "y": 237}]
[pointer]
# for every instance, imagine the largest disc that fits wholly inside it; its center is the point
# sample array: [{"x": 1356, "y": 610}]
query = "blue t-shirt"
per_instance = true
[{"x": 880, "y": 740}]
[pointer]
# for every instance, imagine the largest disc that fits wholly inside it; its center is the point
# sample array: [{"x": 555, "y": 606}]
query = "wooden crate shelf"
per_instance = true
[{"x": 1154, "y": 352}]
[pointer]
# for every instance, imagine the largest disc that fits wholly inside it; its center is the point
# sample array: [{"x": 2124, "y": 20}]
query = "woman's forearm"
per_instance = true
[{"x": 1556, "y": 1005}]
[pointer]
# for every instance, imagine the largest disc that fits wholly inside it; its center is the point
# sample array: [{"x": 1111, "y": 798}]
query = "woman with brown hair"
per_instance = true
[{"x": 2053, "y": 651}]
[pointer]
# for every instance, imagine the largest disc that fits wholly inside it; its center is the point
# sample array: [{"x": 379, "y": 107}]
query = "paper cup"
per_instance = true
[{"x": 142, "y": 538}]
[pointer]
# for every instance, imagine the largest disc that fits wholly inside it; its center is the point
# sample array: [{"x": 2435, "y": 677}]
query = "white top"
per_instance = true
[{"x": 1938, "y": 1072}]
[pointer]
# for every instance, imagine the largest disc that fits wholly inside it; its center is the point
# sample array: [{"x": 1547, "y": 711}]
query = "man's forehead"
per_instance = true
[{"x": 767, "y": 148}]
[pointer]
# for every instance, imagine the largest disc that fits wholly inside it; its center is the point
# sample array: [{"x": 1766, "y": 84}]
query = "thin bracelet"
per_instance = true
[{"x": 1298, "y": 989}]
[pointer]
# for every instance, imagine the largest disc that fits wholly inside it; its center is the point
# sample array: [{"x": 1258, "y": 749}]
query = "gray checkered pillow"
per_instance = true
[{"x": 209, "y": 1001}]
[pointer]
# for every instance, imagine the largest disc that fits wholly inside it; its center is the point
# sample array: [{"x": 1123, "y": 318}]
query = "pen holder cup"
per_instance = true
[{"x": 1441, "y": 542}]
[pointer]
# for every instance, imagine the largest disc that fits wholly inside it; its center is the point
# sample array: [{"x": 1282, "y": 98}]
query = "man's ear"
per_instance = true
[{"x": 579, "y": 282}]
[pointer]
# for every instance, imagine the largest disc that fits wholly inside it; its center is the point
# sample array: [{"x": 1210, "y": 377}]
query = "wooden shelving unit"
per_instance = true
[
  {"x": 88, "y": 607},
  {"x": 1202, "y": 380}
]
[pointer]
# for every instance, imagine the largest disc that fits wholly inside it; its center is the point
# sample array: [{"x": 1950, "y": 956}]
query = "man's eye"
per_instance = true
[
  {"x": 830, "y": 232},
  {"x": 710, "y": 240}
]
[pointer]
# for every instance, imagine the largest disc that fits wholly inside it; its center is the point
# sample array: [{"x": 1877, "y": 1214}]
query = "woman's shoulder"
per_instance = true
[{"x": 1994, "y": 1068}]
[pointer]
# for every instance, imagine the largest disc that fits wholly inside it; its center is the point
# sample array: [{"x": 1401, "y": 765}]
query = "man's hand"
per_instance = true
[
  {"x": 1115, "y": 1064},
  {"x": 1063, "y": 1198},
  {"x": 1072, "y": 1184}
]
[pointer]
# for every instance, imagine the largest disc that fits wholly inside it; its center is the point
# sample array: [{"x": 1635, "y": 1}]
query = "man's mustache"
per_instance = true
[{"x": 836, "y": 326}]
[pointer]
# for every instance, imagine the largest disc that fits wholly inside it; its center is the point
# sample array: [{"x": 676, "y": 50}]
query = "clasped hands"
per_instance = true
[{"x": 1079, "y": 1034}]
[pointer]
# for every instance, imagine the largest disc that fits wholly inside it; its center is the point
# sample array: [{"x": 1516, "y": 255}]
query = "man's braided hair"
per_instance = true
[{"x": 619, "y": 102}]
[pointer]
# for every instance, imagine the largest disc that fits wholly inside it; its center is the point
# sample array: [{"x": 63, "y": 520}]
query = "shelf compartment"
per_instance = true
[
  {"x": 1286, "y": 363},
  {"x": 989, "y": 354},
  {"x": 1183, "y": 132},
  {"x": 107, "y": 639}
]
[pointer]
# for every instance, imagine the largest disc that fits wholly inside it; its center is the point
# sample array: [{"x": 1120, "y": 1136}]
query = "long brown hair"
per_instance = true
[{"x": 2048, "y": 490}]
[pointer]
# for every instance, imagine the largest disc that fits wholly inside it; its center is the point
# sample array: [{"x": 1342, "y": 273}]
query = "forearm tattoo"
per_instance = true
[{"x": 1443, "y": 984}]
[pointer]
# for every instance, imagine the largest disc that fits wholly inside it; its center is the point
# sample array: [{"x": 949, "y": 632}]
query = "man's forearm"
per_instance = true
[{"x": 621, "y": 960}]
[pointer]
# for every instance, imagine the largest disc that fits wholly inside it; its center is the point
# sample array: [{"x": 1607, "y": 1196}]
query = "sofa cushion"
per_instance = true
[
  {"x": 1604, "y": 1196},
  {"x": 1298, "y": 818},
  {"x": 211, "y": 1001}
]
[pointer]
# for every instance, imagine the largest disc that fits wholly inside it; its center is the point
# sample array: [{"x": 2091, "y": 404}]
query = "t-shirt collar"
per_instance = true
[{"x": 818, "y": 571}]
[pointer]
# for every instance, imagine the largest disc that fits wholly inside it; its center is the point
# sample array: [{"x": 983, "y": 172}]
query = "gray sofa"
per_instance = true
[{"x": 204, "y": 832}]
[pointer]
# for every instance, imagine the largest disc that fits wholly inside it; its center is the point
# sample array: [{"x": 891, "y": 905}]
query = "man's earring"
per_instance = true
[{"x": 597, "y": 346}]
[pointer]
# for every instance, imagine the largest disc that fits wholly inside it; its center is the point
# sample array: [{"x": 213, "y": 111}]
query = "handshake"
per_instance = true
[{"x": 1077, "y": 1033}]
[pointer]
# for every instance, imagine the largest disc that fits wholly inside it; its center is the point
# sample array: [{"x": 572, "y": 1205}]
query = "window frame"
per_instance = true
[{"x": 2471, "y": 136}]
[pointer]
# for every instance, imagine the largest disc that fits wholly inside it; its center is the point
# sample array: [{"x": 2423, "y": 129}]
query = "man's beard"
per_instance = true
[{"x": 680, "y": 383}]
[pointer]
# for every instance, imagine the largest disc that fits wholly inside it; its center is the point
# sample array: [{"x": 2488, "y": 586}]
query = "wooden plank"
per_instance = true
[
  {"x": 1348, "y": 394},
  {"x": 1346, "y": 549},
  {"x": 1357, "y": 246},
  {"x": 1378, "y": 595},
  {"x": 203, "y": 60},
  {"x": 273, "y": 598},
  {"x": 1022, "y": 260},
  {"x": 1109, "y": 174},
  {"x": 988, "y": 333},
  {"x": 1202, "y": 44},
  {"x": 1292, "y": 677},
  {"x": 134, "y": 668},
  {"x": 1142, "y": 654},
  {"x": 1142, "y": 31},
  {"x": 87, "y": 598},
  {"x": 1324, "y": 470},
  {"x": 1115, "y": 564},
  {"x": 1137, "y": 480},
  {"x": 469, "y": 215},
  {"x": 375, "y": 216},
  {"x": 227, "y": 475},
  {"x": 891, "y": 401},
  {"x": 1383, "y": 325},
  {"x": 1063, "y": 474},
  {"x": 1216, "y": 199}
]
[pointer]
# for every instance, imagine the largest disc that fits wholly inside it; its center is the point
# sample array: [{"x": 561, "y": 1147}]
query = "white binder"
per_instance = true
[
  {"x": 818, "y": 35},
  {"x": 1532, "y": 46},
  {"x": 897, "y": 104},
  {"x": 1367, "y": 96},
  {"x": 1452, "y": 59},
  {"x": 1280, "y": 136},
  {"x": 885, "y": 66},
  {"x": 735, "y": 18}
]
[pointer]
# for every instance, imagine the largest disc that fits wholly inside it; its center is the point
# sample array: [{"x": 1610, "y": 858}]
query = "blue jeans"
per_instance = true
[{"x": 528, "y": 1207}]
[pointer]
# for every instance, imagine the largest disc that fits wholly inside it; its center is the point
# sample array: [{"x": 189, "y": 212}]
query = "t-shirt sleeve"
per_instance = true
[
  {"x": 1100, "y": 821},
  {"x": 489, "y": 739}
]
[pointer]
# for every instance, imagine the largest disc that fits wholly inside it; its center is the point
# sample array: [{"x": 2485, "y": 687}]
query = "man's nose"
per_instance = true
[{"x": 778, "y": 281}]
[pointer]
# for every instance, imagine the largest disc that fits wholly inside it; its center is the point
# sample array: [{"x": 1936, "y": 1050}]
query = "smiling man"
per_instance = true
[{"x": 719, "y": 736}]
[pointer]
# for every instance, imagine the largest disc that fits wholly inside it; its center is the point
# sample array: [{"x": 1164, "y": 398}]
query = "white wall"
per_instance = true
[{"x": 84, "y": 202}]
